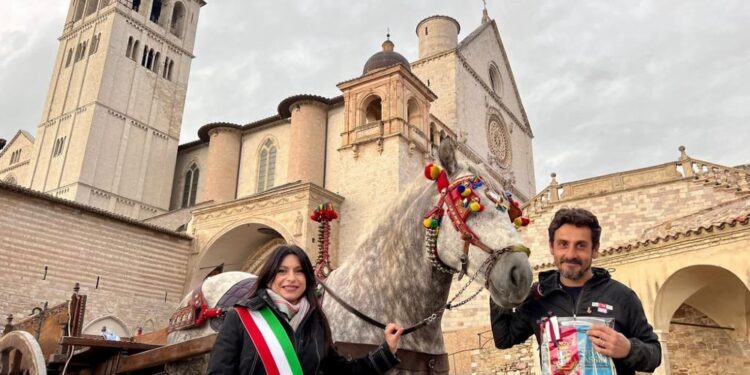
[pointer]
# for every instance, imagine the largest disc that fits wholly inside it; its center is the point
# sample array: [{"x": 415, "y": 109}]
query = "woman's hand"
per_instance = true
[{"x": 393, "y": 333}]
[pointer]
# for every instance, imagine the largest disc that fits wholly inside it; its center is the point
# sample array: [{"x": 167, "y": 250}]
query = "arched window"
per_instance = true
[
  {"x": 433, "y": 134},
  {"x": 156, "y": 62},
  {"x": 155, "y": 11},
  {"x": 190, "y": 190},
  {"x": 91, "y": 6},
  {"x": 266, "y": 166},
  {"x": 95, "y": 44},
  {"x": 80, "y": 7},
  {"x": 145, "y": 55},
  {"x": 69, "y": 58},
  {"x": 171, "y": 66},
  {"x": 373, "y": 110},
  {"x": 15, "y": 157},
  {"x": 413, "y": 114},
  {"x": 10, "y": 179},
  {"x": 83, "y": 50},
  {"x": 178, "y": 19},
  {"x": 78, "y": 53},
  {"x": 150, "y": 61},
  {"x": 495, "y": 82},
  {"x": 130, "y": 47},
  {"x": 166, "y": 68},
  {"x": 136, "y": 5},
  {"x": 134, "y": 52}
]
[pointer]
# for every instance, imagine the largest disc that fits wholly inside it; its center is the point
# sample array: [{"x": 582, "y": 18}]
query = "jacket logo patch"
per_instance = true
[{"x": 602, "y": 307}]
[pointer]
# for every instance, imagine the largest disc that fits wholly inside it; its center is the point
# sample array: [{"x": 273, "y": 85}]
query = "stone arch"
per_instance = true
[
  {"x": 414, "y": 113},
  {"x": 702, "y": 312},
  {"x": 11, "y": 179},
  {"x": 113, "y": 324},
  {"x": 178, "y": 19},
  {"x": 496, "y": 83},
  {"x": 247, "y": 234},
  {"x": 371, "y": 109},
  {"x": 713, "y": 290}
]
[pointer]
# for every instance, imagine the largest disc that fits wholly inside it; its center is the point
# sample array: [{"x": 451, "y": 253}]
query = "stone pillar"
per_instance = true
[
  {"x": 666, "y": 367},
  {"x": 222, "y": 165},
  {"x": 687, "y": 164},
  {"x": 307, "y": 142}
]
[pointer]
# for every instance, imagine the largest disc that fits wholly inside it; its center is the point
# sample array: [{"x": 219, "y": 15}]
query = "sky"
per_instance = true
[{"x": 608, "y": 85}]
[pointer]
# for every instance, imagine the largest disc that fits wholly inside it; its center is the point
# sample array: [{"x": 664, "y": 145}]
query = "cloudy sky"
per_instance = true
[{"x": 607, "y": 85}]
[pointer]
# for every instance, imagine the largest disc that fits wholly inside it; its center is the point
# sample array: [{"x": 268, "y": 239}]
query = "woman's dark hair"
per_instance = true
[
  {"x": 271, "y": 268},
  {"x": 578, "y": 217}
]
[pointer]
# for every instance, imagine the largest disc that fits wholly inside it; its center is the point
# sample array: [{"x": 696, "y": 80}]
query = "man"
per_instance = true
[{"x": 575, "y": 289}]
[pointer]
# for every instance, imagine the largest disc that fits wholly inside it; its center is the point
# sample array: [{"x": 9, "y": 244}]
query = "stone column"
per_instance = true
[
  {"x": 222, "y": 164},
  {"x": 307, "y": 142}
]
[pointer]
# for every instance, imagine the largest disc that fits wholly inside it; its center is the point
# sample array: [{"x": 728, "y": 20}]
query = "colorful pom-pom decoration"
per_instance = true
[
  {"x": 475, "y": 206},
  {"x": 431, "y": 223},
  {"x": 466, "y": 191},
  {"x": 518, "y": 222},
  {"x": 432, "y": 171},
  {"x": 324, "y": 212}
]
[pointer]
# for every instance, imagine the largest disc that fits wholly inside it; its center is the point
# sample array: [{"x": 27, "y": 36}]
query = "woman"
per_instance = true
[{"x": 281, "y": 328}]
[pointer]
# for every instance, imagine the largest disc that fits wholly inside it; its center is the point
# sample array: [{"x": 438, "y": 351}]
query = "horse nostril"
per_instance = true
[{"x": 513, "y": 277}]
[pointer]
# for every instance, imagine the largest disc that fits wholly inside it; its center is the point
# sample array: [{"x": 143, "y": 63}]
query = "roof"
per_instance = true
[
  {"x": 458, "y": 25},
  {"x": 89, "y": 209},
  {"x": 724, "y": 216},
  {"x": 18, "y": 133}
]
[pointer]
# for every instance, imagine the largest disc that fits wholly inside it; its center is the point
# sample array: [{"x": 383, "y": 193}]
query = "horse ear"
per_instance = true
[{"x": 447, "y": 155}]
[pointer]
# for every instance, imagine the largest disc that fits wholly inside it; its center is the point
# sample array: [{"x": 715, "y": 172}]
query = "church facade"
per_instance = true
[{"x": 105, "y": 195}]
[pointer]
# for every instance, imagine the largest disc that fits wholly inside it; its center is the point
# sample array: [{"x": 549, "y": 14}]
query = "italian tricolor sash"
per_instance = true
[{"x": 271, "y": 341}]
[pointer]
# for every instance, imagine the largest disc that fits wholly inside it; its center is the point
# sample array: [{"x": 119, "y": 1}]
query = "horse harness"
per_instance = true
[{"x": 458, "y": 211}]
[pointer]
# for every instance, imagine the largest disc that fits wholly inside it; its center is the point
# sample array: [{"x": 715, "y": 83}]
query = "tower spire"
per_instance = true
[{"x": 485, "y": 15}]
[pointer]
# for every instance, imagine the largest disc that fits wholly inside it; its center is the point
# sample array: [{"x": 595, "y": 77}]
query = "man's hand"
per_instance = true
[
  {"x": 609, "y": 342},
  {"x": 393, "y": 336}
]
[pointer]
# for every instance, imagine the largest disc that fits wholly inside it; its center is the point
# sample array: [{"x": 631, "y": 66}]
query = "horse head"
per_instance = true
[{"x": 475, "y": 231}]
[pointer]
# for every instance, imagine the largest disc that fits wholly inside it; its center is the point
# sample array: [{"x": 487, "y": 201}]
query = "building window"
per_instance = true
[
  {"x": 178, "y": 19},
  {"x": 145, "y": 55},
  {"x": 413, "y": 115},
  {"x": 171, "y": 66},
  {"x": 136, "y": 5},
  {"x": 190, "y": 190},
  {"x": 266, "y": 166},
  {"x": 15, "y": 157},
  {"x": 91, "y": 6},
  {"x": 373, "y": 110},
  {"x": 155, "y": 11},
  {"x": 495, "y": 83},
  {"x": 57, "y": 149},
  {"x": 129, "y": 50},
  {"x": 69, "y": 58},
  {"x": 95, "y": 44},
  {"x": 80, "y": 7},
  {"x": 134, "y": 52},
  {"x": 11, "y": 180}
]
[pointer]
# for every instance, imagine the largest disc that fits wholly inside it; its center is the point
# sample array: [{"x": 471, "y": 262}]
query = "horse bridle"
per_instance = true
[
  {"x": 458, "y": 204},
  {"x": 457, "y": 212}
]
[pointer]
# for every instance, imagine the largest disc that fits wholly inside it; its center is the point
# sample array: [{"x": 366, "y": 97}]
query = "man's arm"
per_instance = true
[
  {"x": 508, "y": 328},
  {"x": 645, "y": 349}
]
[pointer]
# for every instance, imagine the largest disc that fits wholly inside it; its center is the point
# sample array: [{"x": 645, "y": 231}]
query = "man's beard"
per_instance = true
[{"x": 569, "y": 274}]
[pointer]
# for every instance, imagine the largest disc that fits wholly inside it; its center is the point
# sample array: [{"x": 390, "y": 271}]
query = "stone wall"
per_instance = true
[
  {"x": 49, "y": 244},
  {"x": 704, "y": 350}
]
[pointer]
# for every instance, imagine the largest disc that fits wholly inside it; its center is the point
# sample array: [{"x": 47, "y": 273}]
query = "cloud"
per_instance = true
[{"x": 608, "y": 85}]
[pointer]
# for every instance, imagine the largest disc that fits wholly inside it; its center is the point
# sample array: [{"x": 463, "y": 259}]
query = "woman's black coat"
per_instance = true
[{"x": 234, "y": 352}]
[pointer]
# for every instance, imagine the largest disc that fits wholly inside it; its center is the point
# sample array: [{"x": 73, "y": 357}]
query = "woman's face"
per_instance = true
[{"x": 289, "y": 281}]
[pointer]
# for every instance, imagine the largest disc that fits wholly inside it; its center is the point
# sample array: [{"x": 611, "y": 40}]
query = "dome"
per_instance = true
[{"x": 385, "y": 58}]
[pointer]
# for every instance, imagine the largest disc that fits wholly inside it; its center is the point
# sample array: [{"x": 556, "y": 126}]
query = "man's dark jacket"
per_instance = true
[
  {"x": 547, "y": 298},
  {"x": 234, "y": 352}
]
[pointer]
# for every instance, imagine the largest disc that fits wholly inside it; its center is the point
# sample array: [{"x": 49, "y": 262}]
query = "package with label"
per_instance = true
[{"x": 567, "y": 350}]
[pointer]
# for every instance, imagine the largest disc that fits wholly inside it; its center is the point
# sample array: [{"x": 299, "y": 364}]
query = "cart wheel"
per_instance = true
[{"x": 21, "y": 354}]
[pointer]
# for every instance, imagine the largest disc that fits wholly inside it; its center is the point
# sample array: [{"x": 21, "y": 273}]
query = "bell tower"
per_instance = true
[{"x": 111, "y": 123}]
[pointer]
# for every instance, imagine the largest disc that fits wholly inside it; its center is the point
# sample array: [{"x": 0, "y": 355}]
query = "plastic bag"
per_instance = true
[{"x": 567, "y": 350}]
